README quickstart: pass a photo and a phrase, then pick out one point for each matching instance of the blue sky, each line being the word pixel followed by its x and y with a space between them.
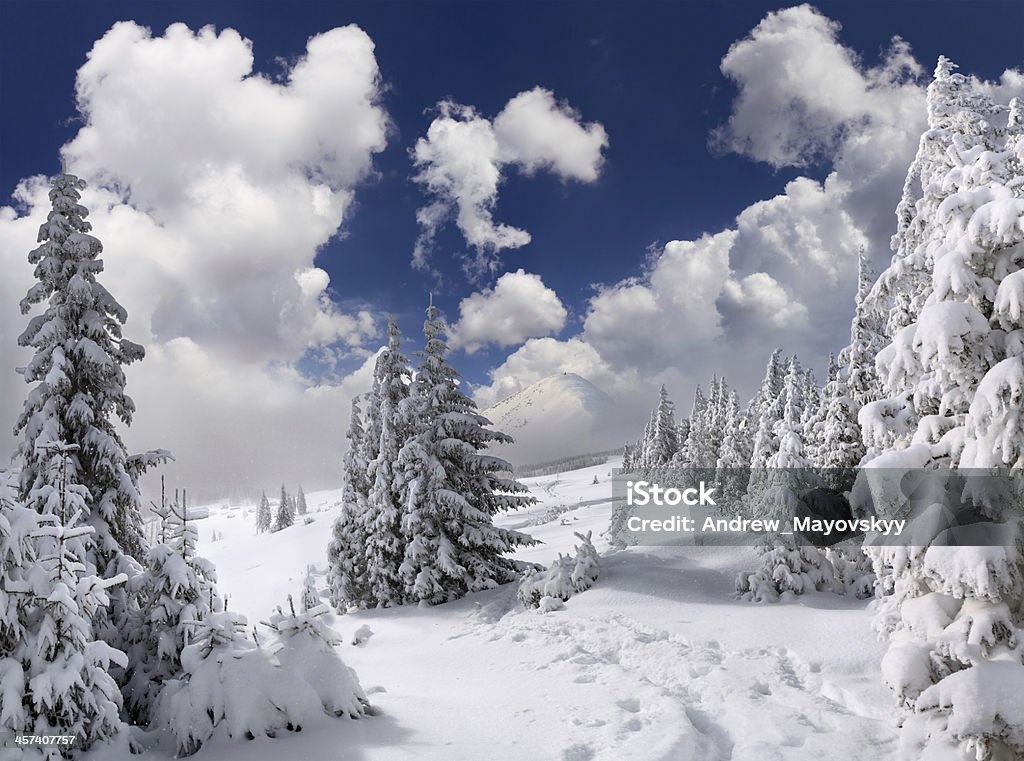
pixel 650 74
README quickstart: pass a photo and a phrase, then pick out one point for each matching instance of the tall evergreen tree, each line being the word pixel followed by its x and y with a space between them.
pixel 866 339
pixel 285 511
pixel 717 403
pixel 695 451
pixel 789 430
pixel 18 565
pixel 953 376
pixel 627 456
pixel 734 456
pixel 385 546
pixel 662 443
pixel 300 502
pixel 346 552
pixel 454 490
pixel 263 516
pixel 78 395
pixel 766 410
pixel 958 121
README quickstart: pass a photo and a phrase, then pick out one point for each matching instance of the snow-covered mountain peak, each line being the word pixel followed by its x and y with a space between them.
pixel 558 416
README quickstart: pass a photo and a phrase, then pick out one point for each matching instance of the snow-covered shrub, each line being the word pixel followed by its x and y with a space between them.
pixel 307 651
pixel 854 573
pixel 786 567
pixel 231 684
pixel 564 578
pixel 310 594
pixel 587 566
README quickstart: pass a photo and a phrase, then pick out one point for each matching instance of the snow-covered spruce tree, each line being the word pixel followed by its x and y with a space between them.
pixel 662 444
pixel 867 336
pixel 958 122
pixel 954 381
pixel 453 489
pixel 66 685
pixel 627 456
pixel 814 427
pixel 786 565
pixel 79 382
pixel 778 442
pixel 285 511
pixel 385 542
pixel 731 475
pixel 837 444
pixel 176 592
pixel 346 552
pixel 695 451
pixel 774 494
pixel 643 444
pixel 263 516
pixel 716 412
pixel 765 411
pixel 565 577
pixel 18 608
pixel 301 507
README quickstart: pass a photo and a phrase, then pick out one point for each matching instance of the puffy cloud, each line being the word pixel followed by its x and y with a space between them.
pixel 800 91
pixel 212 189
pixel 536 132
pixel 519 306
pixel 653 321
pixel 464 158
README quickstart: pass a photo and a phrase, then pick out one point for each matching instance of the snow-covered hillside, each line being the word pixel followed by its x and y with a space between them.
pixel 556 417
pixel 657 661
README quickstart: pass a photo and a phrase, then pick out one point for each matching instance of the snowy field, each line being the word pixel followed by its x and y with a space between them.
pixel 656 661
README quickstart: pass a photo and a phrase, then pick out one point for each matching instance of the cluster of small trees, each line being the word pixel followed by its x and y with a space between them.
pixel 419 492
pixel 97 624
pixel 288 507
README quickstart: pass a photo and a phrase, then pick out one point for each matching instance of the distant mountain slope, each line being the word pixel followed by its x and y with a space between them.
pixel 558 416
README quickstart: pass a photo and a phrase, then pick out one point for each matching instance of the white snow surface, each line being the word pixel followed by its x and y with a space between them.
pixel 658 660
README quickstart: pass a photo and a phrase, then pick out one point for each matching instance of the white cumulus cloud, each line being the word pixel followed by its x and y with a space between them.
pixel 519 306
pixel 464 157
